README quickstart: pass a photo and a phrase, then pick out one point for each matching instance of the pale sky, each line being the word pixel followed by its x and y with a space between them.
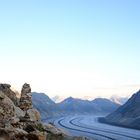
pixel 73 48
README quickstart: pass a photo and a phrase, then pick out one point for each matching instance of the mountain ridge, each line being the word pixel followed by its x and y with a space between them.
pixel 71 106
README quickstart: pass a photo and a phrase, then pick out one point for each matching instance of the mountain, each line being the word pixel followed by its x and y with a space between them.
pixel 57 99
pixel 99 105
pixel 127 115
pixel 71 106
pixel 42 97
pixel 43 104
pixel 105 104
pixel 78 106
pixel 119 100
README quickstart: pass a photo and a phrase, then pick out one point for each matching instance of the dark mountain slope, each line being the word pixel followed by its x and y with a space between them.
pixel 127 115
pixel 43 104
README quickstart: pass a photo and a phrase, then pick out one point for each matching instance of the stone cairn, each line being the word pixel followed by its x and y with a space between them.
pixel 26 98
pixel 26 105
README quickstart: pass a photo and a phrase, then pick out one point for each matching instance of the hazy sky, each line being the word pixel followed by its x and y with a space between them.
pixel 71 47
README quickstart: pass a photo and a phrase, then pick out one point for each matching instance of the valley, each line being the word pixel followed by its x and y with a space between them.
pixel 89 126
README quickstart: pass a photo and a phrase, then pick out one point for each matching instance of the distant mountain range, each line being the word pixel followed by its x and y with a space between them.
pixel 127 115
pixel 116 99
pixel 71 106
pixel 57 99
pixel 119 100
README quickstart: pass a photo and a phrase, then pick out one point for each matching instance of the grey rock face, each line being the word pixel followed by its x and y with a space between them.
pixel 6 110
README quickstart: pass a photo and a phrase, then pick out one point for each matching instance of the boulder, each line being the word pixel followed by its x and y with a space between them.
pixel 33 114
pixel 52 129
pixel 5 88
pixel 4 134
pixel 18 112
pixel 80 138
pixel 37 136
pixel 6 110
pixel 13 134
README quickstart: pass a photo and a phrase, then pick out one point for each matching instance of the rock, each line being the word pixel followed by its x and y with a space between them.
pixel 1 96
pixel 4 135
pixel 42 136
pixel 26 104
pixel 20 134
pixel 30 127
pixel 9 113
pixel 51 136
pixel 26 89
pixel 6 110
pixel 54 133
pixel 26 98
pixel 5 88
pixel 80 138
pixel 33 114
pixel 20 131
pixel 14 120
pixel 13 134
pixel 37 136
pixel 19 113
pixel 52 129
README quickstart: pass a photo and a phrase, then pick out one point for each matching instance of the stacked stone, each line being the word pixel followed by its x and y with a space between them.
pixel 31 114
pixel 26 98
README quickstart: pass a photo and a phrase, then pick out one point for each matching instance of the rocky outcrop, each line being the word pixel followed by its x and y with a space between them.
pixel 20 121
pixel 5 88
pixel 54 133
pixel 6 110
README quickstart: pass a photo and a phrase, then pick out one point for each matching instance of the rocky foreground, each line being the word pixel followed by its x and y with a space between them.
pixel 20 121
